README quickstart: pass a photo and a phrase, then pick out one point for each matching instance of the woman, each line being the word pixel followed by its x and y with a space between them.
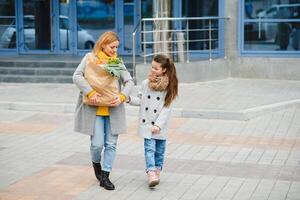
pixel 102 123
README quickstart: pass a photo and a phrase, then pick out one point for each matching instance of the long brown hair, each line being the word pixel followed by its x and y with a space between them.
pixel 105 39
pixel 172 88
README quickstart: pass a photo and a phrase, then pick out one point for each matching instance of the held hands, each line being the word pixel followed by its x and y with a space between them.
pixel 117 101
pixel 155 129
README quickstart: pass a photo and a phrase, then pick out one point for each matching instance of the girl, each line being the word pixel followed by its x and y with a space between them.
pixel 155 101
pixel 103 124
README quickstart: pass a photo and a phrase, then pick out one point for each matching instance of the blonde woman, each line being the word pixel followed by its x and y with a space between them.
pixel 102 123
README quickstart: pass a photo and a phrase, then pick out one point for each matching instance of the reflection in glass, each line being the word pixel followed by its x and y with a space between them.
pixel 147 12
pixel 204 8
pixel 94 17
pixel 147 9
pixel 295 36
pixel 271 9
pixel 37 29
pixel 7 24
pixel 128 23
pixel 272 35
pixel 64 28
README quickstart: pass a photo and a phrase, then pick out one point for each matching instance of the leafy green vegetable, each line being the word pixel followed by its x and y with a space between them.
pixel 115 66
pixel 114 61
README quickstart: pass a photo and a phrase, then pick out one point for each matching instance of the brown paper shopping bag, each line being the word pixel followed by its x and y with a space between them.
pixel 102 82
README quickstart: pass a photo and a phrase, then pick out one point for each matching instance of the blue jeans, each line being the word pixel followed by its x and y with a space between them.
pixel 154 153
pixel 103 138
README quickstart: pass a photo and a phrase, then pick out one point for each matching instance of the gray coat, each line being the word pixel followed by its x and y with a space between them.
pixel 85 115
pixel 152 112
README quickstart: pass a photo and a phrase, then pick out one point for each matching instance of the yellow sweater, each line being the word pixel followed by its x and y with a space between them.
pixel 103 110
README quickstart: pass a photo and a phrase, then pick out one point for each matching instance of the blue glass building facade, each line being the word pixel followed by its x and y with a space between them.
pixel 268 27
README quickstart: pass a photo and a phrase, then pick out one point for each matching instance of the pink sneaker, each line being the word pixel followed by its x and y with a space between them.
pixel 152 179
pixel 157 171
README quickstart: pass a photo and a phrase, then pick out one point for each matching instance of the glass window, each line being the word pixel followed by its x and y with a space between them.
pixel 271 26
pixel 37 29
pixel 147 12
pixel 199 33
pixel 7 24
pixel 64 25
pixel 94 17
pixel 147 8
pixel 184 38
pixel 128 23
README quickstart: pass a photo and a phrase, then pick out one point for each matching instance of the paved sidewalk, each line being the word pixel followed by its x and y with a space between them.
pixel 237 99
pixel 208 155
pixel 41 158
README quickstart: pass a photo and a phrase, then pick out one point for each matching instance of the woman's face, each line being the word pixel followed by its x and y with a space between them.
pixel 156 69
pixel 111 49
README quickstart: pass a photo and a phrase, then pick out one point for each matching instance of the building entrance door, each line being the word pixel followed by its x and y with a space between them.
pixel 36 26
pixel 73 26
pixel 97 16
pixel 45 27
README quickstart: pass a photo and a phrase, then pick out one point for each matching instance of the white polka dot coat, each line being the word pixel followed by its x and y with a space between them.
pixel 152 112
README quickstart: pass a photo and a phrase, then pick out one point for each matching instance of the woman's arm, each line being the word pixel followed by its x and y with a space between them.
pixel 78 77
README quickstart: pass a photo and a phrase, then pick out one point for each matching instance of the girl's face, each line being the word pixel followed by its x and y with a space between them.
pixel 156 69
pixel 111 48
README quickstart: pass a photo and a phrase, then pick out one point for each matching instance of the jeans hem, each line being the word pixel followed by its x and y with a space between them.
pixel 150 169
pixel 98 161
pixel 106 170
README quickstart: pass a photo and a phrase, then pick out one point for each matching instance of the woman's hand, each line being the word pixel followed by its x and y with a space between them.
pixel 95 99
pixel 103 62
pixel 155 129
pixel 117 101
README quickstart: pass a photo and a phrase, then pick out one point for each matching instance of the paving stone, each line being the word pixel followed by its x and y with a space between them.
pixel 202 163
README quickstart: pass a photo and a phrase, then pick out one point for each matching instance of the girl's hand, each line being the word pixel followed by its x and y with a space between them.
pixel 155 129
pixel 95 99
pixel 117 101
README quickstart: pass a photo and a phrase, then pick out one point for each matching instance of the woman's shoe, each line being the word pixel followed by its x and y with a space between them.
pixel 97 170
pixel 105 182
pixel 152 179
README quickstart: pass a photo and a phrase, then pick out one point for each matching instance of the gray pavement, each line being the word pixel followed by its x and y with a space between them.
pixel 237 99
pixel 208 157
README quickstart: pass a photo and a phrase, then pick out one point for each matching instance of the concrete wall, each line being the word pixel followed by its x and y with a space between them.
pixel 235 65
pixel 192 72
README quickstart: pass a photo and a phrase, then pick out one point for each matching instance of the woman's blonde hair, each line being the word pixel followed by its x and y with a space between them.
pixel 105 39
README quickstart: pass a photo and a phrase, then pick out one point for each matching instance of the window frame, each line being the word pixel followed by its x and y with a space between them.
pixel 218 52
pixel 259 53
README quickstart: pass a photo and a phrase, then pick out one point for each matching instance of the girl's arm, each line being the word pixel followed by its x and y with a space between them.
pixel 127 82
pixel 163 117
pixel 79 80
pixel 136 100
